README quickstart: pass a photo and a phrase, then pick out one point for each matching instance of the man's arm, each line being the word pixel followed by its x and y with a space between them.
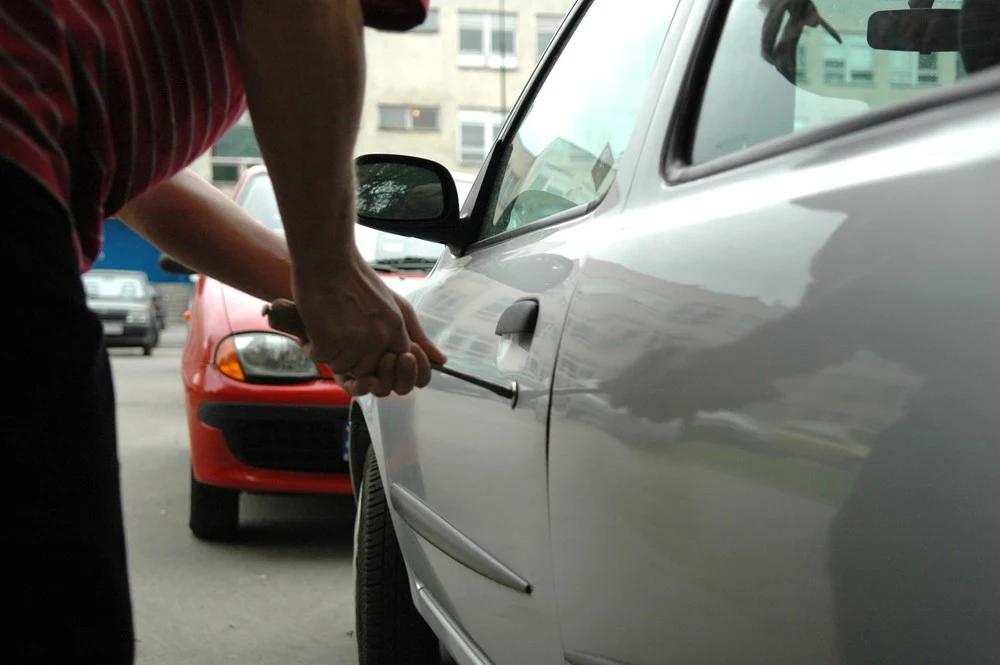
pixel 303 65
pixel 196 224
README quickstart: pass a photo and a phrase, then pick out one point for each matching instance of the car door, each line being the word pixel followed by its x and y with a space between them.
pixel 772 436
pixel 466 468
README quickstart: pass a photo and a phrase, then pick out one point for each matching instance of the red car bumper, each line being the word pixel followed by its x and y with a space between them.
pixel 267 438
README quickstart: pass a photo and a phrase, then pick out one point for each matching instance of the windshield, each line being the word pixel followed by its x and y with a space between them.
pixel 114 287
pixel 375 246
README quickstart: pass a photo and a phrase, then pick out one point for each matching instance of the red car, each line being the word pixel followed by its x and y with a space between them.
pixel 262 417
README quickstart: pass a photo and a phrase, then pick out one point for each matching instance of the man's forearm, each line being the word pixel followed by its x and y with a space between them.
pixel 303 64
pixel 196 224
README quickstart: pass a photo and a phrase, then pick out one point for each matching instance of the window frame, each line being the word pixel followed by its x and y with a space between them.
pixel 241 163
pixel 546 20
pixel 675 166
pixel 492 119
pixel 487 58
pixel 435 28
pixel 849 44
pixel 408 110
pixel 914 70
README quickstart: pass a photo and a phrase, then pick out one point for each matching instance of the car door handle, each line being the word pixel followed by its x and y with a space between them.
pixel 520 317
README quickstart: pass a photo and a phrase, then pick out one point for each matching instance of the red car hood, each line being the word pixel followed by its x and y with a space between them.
pixel 245 312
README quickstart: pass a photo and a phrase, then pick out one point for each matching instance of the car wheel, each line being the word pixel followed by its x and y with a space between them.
pixel 389 628
pixel 154 340
pixel 215 511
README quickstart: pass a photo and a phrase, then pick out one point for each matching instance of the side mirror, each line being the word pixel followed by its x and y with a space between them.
pixel 173 266
pixel 408 196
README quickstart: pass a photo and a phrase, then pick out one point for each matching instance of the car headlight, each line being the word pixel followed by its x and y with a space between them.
pixel 137 317
pixel 261 357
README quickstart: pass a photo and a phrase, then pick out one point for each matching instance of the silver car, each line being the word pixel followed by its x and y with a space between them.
pixel 722 314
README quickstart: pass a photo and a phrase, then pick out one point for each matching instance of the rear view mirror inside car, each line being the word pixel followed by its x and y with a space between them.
pixel 915 30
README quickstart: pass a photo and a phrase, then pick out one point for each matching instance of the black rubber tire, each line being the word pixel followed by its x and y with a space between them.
pixel 154 341
pixel 389 629
pixel 215 511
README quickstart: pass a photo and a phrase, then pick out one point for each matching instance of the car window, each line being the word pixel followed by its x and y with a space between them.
pixel 567 149
pixel 114 287
pixel 785 66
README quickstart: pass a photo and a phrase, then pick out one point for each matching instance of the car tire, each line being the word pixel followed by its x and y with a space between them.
pixel 215 511
pixel 154 341
pixel 389 628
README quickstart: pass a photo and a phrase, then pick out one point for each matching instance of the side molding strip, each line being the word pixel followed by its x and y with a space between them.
pixel 442 535
pixel 455 641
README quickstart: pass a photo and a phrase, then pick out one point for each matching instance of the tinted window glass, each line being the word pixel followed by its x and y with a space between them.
pixel 780 69
pixel 568 147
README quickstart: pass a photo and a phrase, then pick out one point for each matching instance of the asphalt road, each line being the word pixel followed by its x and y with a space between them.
pixel 281 594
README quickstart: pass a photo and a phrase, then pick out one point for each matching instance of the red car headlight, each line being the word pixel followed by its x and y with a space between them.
pixel 262 357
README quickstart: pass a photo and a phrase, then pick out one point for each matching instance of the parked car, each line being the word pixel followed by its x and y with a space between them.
pixel 783 212
pixel 262 417
pixel 123 300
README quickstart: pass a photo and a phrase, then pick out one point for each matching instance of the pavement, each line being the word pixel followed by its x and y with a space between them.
pixel 175 335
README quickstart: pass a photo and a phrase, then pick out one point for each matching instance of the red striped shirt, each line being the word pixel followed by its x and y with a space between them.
pixel 100 100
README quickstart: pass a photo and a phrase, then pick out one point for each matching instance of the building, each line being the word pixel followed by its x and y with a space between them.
pixel 440 91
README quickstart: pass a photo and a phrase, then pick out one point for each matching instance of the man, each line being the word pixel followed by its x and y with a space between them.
pixel 103 103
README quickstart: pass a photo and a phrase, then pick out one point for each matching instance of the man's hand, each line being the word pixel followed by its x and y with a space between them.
pixel 368 335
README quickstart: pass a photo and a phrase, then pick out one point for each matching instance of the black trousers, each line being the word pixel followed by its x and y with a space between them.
pixel 62 545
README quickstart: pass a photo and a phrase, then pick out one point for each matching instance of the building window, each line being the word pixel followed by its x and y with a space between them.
pixel 698 313
pixel 850 62
pixel 235 152
pixel 487 40
pixel 430 24
pixel 545 30
pixel 801 68
pixel 913 68
pixel 477 130
pixel 407 118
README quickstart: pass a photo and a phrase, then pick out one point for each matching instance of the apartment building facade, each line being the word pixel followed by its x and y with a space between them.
pixel 440 91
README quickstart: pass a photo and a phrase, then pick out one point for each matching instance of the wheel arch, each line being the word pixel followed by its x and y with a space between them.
pixel 359 443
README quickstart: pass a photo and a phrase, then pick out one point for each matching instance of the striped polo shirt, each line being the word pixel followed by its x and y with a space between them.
pixel 100 100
